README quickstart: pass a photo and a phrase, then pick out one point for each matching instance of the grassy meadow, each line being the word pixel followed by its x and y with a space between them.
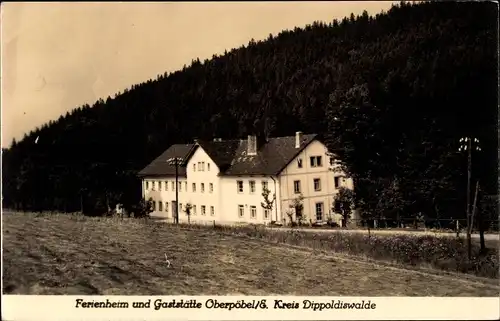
pixel 73 254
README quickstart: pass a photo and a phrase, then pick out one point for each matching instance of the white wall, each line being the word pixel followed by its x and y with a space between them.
pixel 225 197
pixel 306 176
pixel 165 195
pixel 196 198
pixel 231 198
pixel 206 177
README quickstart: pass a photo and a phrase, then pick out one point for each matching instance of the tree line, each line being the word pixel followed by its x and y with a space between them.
pixel 392 94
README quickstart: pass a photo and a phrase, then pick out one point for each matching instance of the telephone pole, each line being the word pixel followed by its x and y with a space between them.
pixel 466 144
pixel 176 161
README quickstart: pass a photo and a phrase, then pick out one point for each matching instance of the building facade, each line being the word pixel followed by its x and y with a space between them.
pixel 224 181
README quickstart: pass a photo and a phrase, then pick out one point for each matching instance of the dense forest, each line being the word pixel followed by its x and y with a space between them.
pixel 392 94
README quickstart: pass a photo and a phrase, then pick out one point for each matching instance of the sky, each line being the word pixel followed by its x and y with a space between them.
pixel 58 56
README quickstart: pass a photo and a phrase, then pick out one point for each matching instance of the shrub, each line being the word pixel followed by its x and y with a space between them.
pixel 333 224
pixel 143 208
pixel 344 204
pixel 443 253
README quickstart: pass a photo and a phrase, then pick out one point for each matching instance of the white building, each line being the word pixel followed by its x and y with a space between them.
pixel 223 181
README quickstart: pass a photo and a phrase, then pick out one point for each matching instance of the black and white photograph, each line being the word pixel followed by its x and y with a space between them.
pixel 336 149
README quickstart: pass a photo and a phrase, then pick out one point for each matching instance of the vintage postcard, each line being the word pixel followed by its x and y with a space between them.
pixel 250 160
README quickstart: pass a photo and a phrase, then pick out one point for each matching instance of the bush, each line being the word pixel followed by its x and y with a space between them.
pixel 333 224
pixel 443 253
pixel 143 208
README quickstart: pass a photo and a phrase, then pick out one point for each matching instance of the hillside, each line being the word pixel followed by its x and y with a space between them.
pixel 404 85
pixel 74 255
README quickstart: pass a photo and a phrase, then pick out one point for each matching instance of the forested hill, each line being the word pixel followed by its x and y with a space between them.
pixel 404 86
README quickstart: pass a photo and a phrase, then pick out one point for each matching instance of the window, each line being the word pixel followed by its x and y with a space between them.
pixel 159 187
pixel 241 210
pixel 296 187
pixel 153 185
pixel 147 185
pixel 194 167
pixel 239 184
pixel 266 213
pixel 202 166
pixel 173 186
pixel 194 187
pixel 337 181
pixel 252 186
pixel 316 161
pixel 212 211
pixel 180 186
pixel 332 161
pixel 264 185
pixel 208 167
pixel 203 187
pixel 166 207
pixel 317 184
pixel 160 206
pixel 193 211
pixel 319 211
pixel 299 162
pixel 253 211
pixel 203 212
pixel 154 206
pixel 211 188
pixel 166 185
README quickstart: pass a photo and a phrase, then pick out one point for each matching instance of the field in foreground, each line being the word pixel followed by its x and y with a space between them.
pixel 77 255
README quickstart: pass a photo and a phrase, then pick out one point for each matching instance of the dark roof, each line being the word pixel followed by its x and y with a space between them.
pixel 231 156
pixel 271 158
pixel 221 152
pixel 160 167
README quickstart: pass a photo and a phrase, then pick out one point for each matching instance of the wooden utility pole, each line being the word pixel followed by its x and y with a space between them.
pixel 474 206
pixel 468 147
pixel 479 219
pixel 469 172
pixel 176 161
pixel 176 190
pixel 480 223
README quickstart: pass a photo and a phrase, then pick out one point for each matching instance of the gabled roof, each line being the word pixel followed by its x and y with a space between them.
pixel 271 158
pixel 221 152
pixel 160 167
pixel 231 157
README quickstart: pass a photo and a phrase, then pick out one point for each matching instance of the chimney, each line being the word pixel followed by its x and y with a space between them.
pixel 298 138
pixel 252 145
